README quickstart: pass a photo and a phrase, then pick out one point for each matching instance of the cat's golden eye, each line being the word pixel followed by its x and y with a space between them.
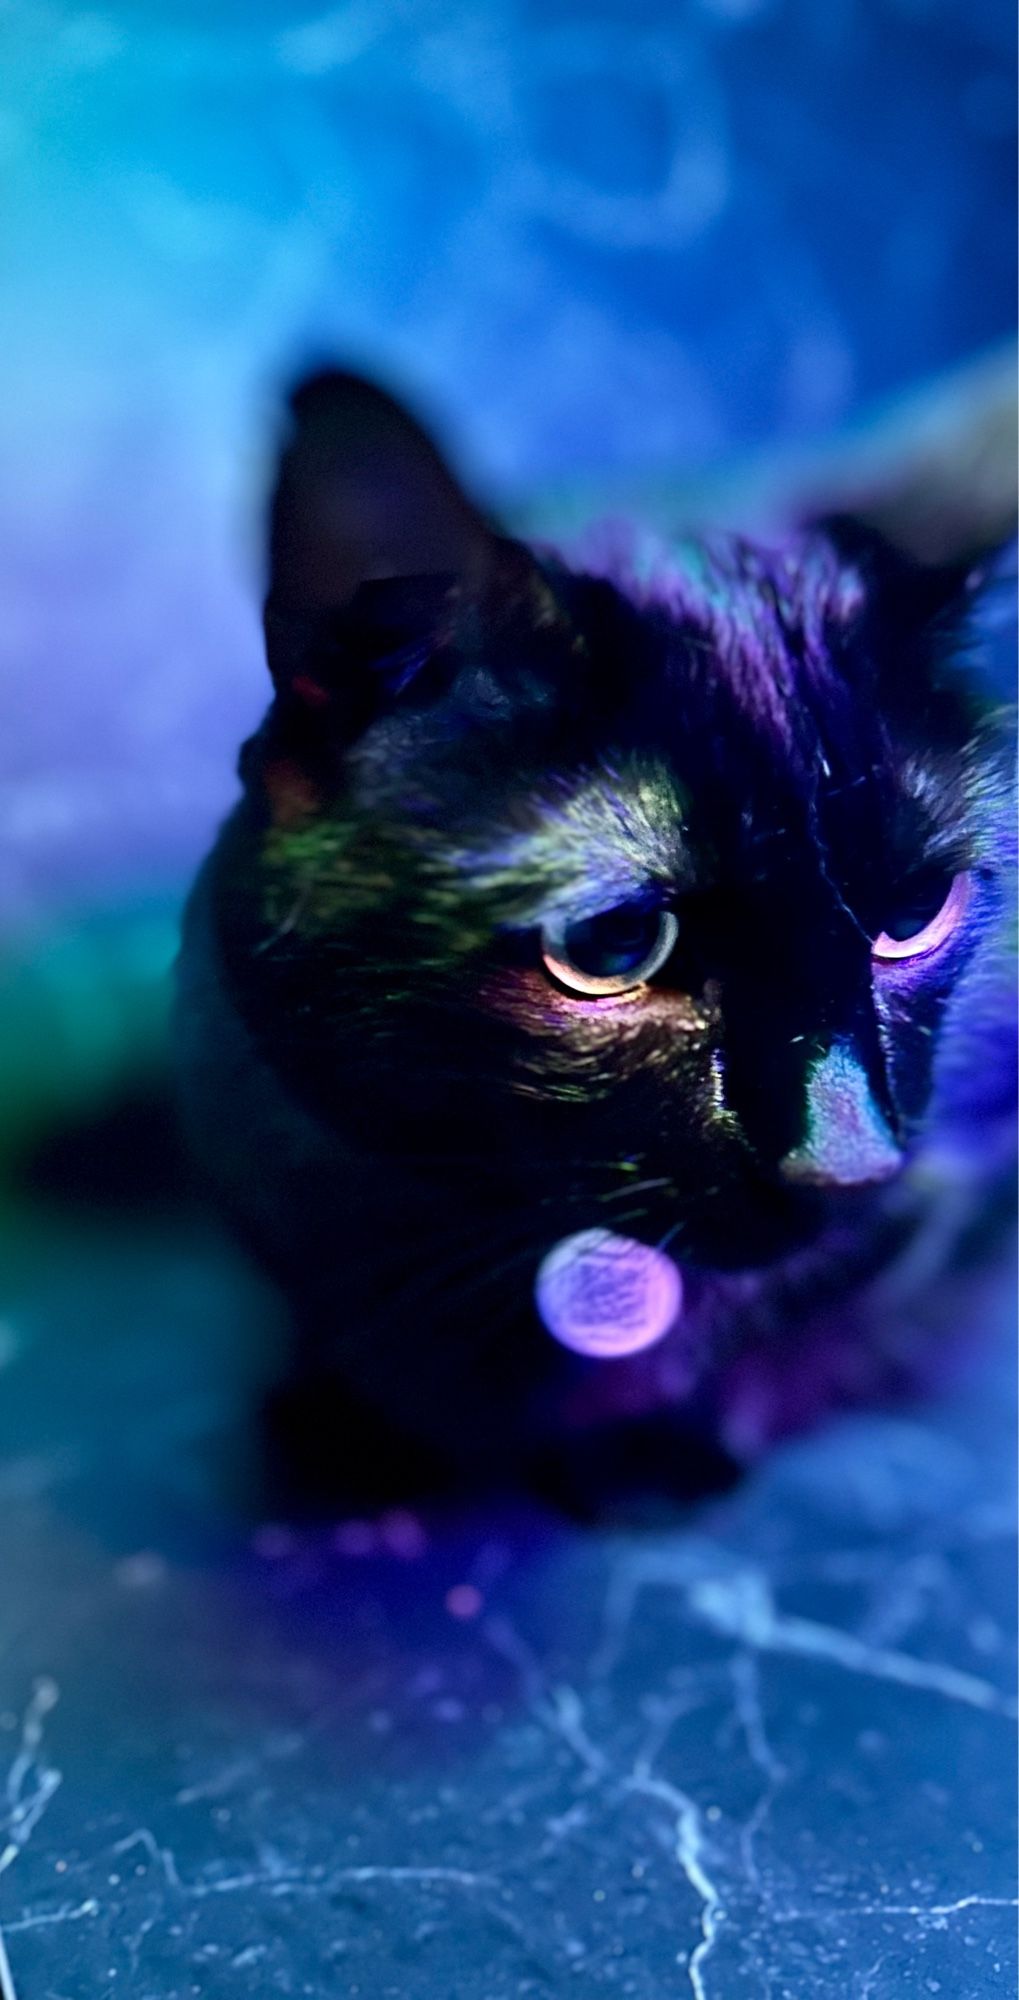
pixel 926 917
pixel 609 953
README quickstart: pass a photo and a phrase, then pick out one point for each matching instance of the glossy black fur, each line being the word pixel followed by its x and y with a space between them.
pixel 787 745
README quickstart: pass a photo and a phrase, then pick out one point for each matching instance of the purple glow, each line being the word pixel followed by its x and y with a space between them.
pixel 949 917
pixel 847 1143
pixel 606 1295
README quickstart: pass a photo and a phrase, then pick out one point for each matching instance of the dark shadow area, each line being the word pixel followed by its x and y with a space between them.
pixel 125 1158
pixel 315 1446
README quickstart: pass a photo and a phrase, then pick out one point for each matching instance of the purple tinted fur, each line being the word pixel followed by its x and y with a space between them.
pixel 748 666
pixel 768 615
pixel 771 620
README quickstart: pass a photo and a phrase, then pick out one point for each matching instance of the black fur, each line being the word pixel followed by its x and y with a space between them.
pixel 403 1112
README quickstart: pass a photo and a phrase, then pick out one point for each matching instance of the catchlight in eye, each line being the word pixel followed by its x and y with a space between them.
pixel 925 921
pixel 612 952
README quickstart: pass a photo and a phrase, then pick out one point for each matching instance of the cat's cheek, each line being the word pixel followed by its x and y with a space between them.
pixel 593 1054
pixel 910 1001
pixel 546 1020
pixel 530 999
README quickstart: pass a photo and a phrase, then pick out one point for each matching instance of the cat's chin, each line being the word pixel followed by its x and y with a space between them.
pixel 789 1237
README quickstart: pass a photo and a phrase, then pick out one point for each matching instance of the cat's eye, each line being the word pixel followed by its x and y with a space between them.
pixel 927 915
pixel 609 953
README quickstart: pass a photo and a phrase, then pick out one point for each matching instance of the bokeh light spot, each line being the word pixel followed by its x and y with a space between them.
pixel 607 1295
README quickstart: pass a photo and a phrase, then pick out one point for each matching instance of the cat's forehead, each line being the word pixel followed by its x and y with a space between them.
pixel 582 841
pixel 699 715
pixel 758 630
pixel 754 594
pixel 735 669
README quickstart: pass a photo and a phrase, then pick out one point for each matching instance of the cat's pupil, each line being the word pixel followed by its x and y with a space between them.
pixel 917 904
pixel 614 942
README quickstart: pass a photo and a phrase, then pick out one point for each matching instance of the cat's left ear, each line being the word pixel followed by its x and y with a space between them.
pixel 913 599
pixel 935 481
pixel 369 534
pixel 932 629
pixel 925 506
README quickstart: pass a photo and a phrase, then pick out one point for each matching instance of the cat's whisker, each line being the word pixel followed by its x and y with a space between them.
pixel 670 1236
pixel 631 1217
pixel 640 1187
pixel 456 1291
pixel 442 1272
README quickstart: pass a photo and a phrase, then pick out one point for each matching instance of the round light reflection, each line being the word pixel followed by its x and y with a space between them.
pixel 605 1295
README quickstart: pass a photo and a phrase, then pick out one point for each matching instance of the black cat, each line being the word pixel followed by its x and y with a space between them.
pixel 664 897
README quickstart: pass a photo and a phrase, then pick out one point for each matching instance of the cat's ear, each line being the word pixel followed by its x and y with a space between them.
pixel 937 482
pixel 939 636
pixel 368 533
pixel 908 597
pixel 925 503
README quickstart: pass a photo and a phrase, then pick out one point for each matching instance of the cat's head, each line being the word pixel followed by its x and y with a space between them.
pixel 631 893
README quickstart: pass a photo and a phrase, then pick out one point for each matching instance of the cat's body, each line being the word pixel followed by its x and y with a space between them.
pixel 663 896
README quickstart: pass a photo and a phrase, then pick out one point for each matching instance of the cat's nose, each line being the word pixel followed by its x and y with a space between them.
pixel 847 1141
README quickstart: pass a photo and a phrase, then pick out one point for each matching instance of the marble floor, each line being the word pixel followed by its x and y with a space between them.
pixel 763 1747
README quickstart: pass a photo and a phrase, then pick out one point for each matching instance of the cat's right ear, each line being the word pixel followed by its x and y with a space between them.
pixel 369 532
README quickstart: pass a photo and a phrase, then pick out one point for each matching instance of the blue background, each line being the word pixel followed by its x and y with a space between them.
pixel 584 239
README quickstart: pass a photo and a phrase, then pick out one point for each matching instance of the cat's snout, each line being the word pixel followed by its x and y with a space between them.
pixel 848 1142
pixel 799 1169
